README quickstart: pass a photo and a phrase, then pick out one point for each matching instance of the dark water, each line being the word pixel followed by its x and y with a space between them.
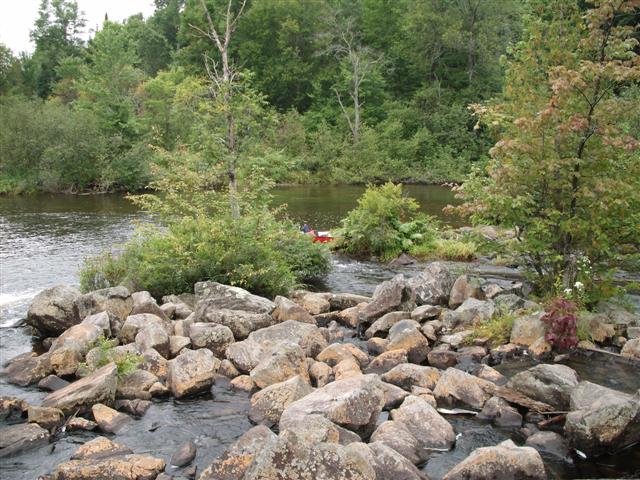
pixel 43 241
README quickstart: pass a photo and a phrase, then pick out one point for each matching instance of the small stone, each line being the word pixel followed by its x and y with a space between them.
pixel 108 419
pixel 228 369
pixel 184 455
pixel 52 383
pixel 500 412
pixel 79 423
pixel 46 417
pixel 243 383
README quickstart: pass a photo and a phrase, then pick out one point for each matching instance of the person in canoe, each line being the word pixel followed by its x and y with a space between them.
pixel 307 229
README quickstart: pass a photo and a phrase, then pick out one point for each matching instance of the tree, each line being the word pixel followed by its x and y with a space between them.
pixel 357 61
pixel 55 34
pixel 566 170
pixel 224 82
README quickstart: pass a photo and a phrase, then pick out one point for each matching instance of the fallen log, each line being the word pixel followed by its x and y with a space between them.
pixel 512 396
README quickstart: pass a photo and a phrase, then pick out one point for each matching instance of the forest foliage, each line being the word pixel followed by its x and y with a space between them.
pixel 332 91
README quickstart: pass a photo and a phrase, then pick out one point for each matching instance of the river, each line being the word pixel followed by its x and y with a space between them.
pixel 44 239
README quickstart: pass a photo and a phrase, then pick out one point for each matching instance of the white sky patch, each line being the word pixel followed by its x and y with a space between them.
pixel 18 16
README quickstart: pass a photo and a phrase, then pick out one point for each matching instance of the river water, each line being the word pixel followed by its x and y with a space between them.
pixel 43 241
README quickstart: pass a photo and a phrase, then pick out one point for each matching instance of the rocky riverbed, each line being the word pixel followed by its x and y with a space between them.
pixel 229 385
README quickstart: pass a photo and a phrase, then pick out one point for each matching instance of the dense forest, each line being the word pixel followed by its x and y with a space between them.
pixel 339 91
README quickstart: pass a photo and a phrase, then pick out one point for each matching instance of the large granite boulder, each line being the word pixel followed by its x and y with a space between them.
pixel 121 467
pixel 136 384
pixel 116 301
pixel 231 298
pixel 289 362
pixel 337 352
pixel 246 355
pixel 382 325
pixel 289 310
pixel 192 372
pixel 386 462
pixel 528 328
pixel 18 438
pixel 52 311
pixel 389 296
pixel 631 348
pixel 406 335
pixel 134 324
pixel 28 368
pixel 212 336
pixel 240 322
pixel 602 420
pixel 353 403
pixel 291 458
pixel 456 386
pixel 463 288
pixel 268 404
pixel 505 461
pixel 433 286
pixel 408 375
pixel 551 384
pixel 414 430
pixel 234 462
pixel 99 387
pixel 143 302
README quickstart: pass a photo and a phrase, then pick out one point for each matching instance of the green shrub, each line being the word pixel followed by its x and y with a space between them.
pixel 126 363
pixel 445 249
pixel 385 223
pixel 497 329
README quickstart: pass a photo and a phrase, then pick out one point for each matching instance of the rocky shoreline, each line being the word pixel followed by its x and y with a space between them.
pixel 341 385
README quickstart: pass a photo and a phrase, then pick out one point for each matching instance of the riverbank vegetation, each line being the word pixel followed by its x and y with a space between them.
pixel 340 92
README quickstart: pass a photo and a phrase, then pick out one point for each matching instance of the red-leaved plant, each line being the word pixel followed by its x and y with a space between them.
pixel 560 318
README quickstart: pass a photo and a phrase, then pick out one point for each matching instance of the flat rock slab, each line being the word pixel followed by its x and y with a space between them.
pixel 17 438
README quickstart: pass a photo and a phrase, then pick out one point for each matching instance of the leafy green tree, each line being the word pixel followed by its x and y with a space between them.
pixel 56 35
pixel 565 172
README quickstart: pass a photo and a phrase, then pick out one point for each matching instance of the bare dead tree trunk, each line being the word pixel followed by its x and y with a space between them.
pixel 223 83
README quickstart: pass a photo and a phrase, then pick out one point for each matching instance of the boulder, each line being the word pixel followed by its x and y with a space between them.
pixel 235 461
pixel 133 324
pixel 122 467
pixel 178 343
pixel 52 311
pixel 28 368
pixel 317 428
pixel 386 361
pixel 382 325
pixel 312 302
pixel 99 447
pixel 342 301
pixel 79 423
pixel 377 345
pixel 136 385
pixel 441 357
pixel 346 368
pixel 456 339
pixel 231 298
pixel 100 320
pixel 415 429
pixel 388 463
pixel 504 461
pixel 291 458
pixel 216 338
pixel 619 317
pixel 456 386
pixel 135 407
pixel 527 329
pixel 405 335
pixel 243 383
pixel 408 375
pixel 471 312
pixel 550 443
pixel 45 417
pixel 392 295
pixel 631 348
pixel 245 355
pixel 288 310
pixel 156 337
pixel 551 384
pixel 337 352
pixel 433 286
pixel 227 369
pixel 99 387
pixel 108 419
pixel 155 363
pixel 393 396
pixel 351 317
pixel 21 437
pixel 143 302
pixel 11 407
pixel 353 403
pixel 501 413
pixel 192 372
pixel 490 374
pixel 65 360
pixel 116 301
pixel 240 322
pixel 267 405
pixel 603 420
pixel 320 374
pixel 463 288
pixel 289 362
pixel 184 455
pixel 52 383
pixel 426 312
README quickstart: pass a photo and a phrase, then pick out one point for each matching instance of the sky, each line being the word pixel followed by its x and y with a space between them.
pixel 18 16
